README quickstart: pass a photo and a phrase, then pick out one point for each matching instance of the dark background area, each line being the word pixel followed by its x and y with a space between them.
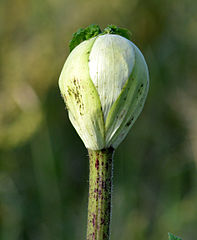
pixel 43 162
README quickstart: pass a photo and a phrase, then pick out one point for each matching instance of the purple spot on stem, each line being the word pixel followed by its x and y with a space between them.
pixel 93 235
pixel 102 221
pixel 94 220
pixel 106 166
pixel 97 164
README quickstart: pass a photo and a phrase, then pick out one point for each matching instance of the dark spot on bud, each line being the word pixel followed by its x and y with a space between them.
pixel 129 122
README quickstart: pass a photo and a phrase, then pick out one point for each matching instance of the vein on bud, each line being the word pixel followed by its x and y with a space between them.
pixel 130 102
pixel 110 64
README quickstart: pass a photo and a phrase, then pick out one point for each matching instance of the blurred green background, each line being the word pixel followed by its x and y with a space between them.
pixel 43 163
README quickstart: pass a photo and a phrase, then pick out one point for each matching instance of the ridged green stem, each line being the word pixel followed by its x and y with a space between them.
pixel 100 190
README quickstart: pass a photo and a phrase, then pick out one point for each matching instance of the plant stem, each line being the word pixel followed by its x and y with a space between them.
pixel 100 190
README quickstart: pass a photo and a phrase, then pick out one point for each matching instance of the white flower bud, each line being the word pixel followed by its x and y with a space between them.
pixel 104 83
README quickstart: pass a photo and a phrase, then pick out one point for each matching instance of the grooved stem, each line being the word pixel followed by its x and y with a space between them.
pixel 100 189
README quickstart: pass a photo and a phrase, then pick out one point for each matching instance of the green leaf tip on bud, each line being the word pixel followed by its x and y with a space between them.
pixel 173 237
pixel 104 83
pixel 84 34
pixel 94 30
pixel 112 29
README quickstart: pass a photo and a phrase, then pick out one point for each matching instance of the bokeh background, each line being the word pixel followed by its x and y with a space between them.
pixel 43 163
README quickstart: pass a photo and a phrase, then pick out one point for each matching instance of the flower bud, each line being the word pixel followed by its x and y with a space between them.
pixel 104 83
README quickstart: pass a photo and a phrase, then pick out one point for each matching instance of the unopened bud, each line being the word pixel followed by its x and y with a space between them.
pixel 104 83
